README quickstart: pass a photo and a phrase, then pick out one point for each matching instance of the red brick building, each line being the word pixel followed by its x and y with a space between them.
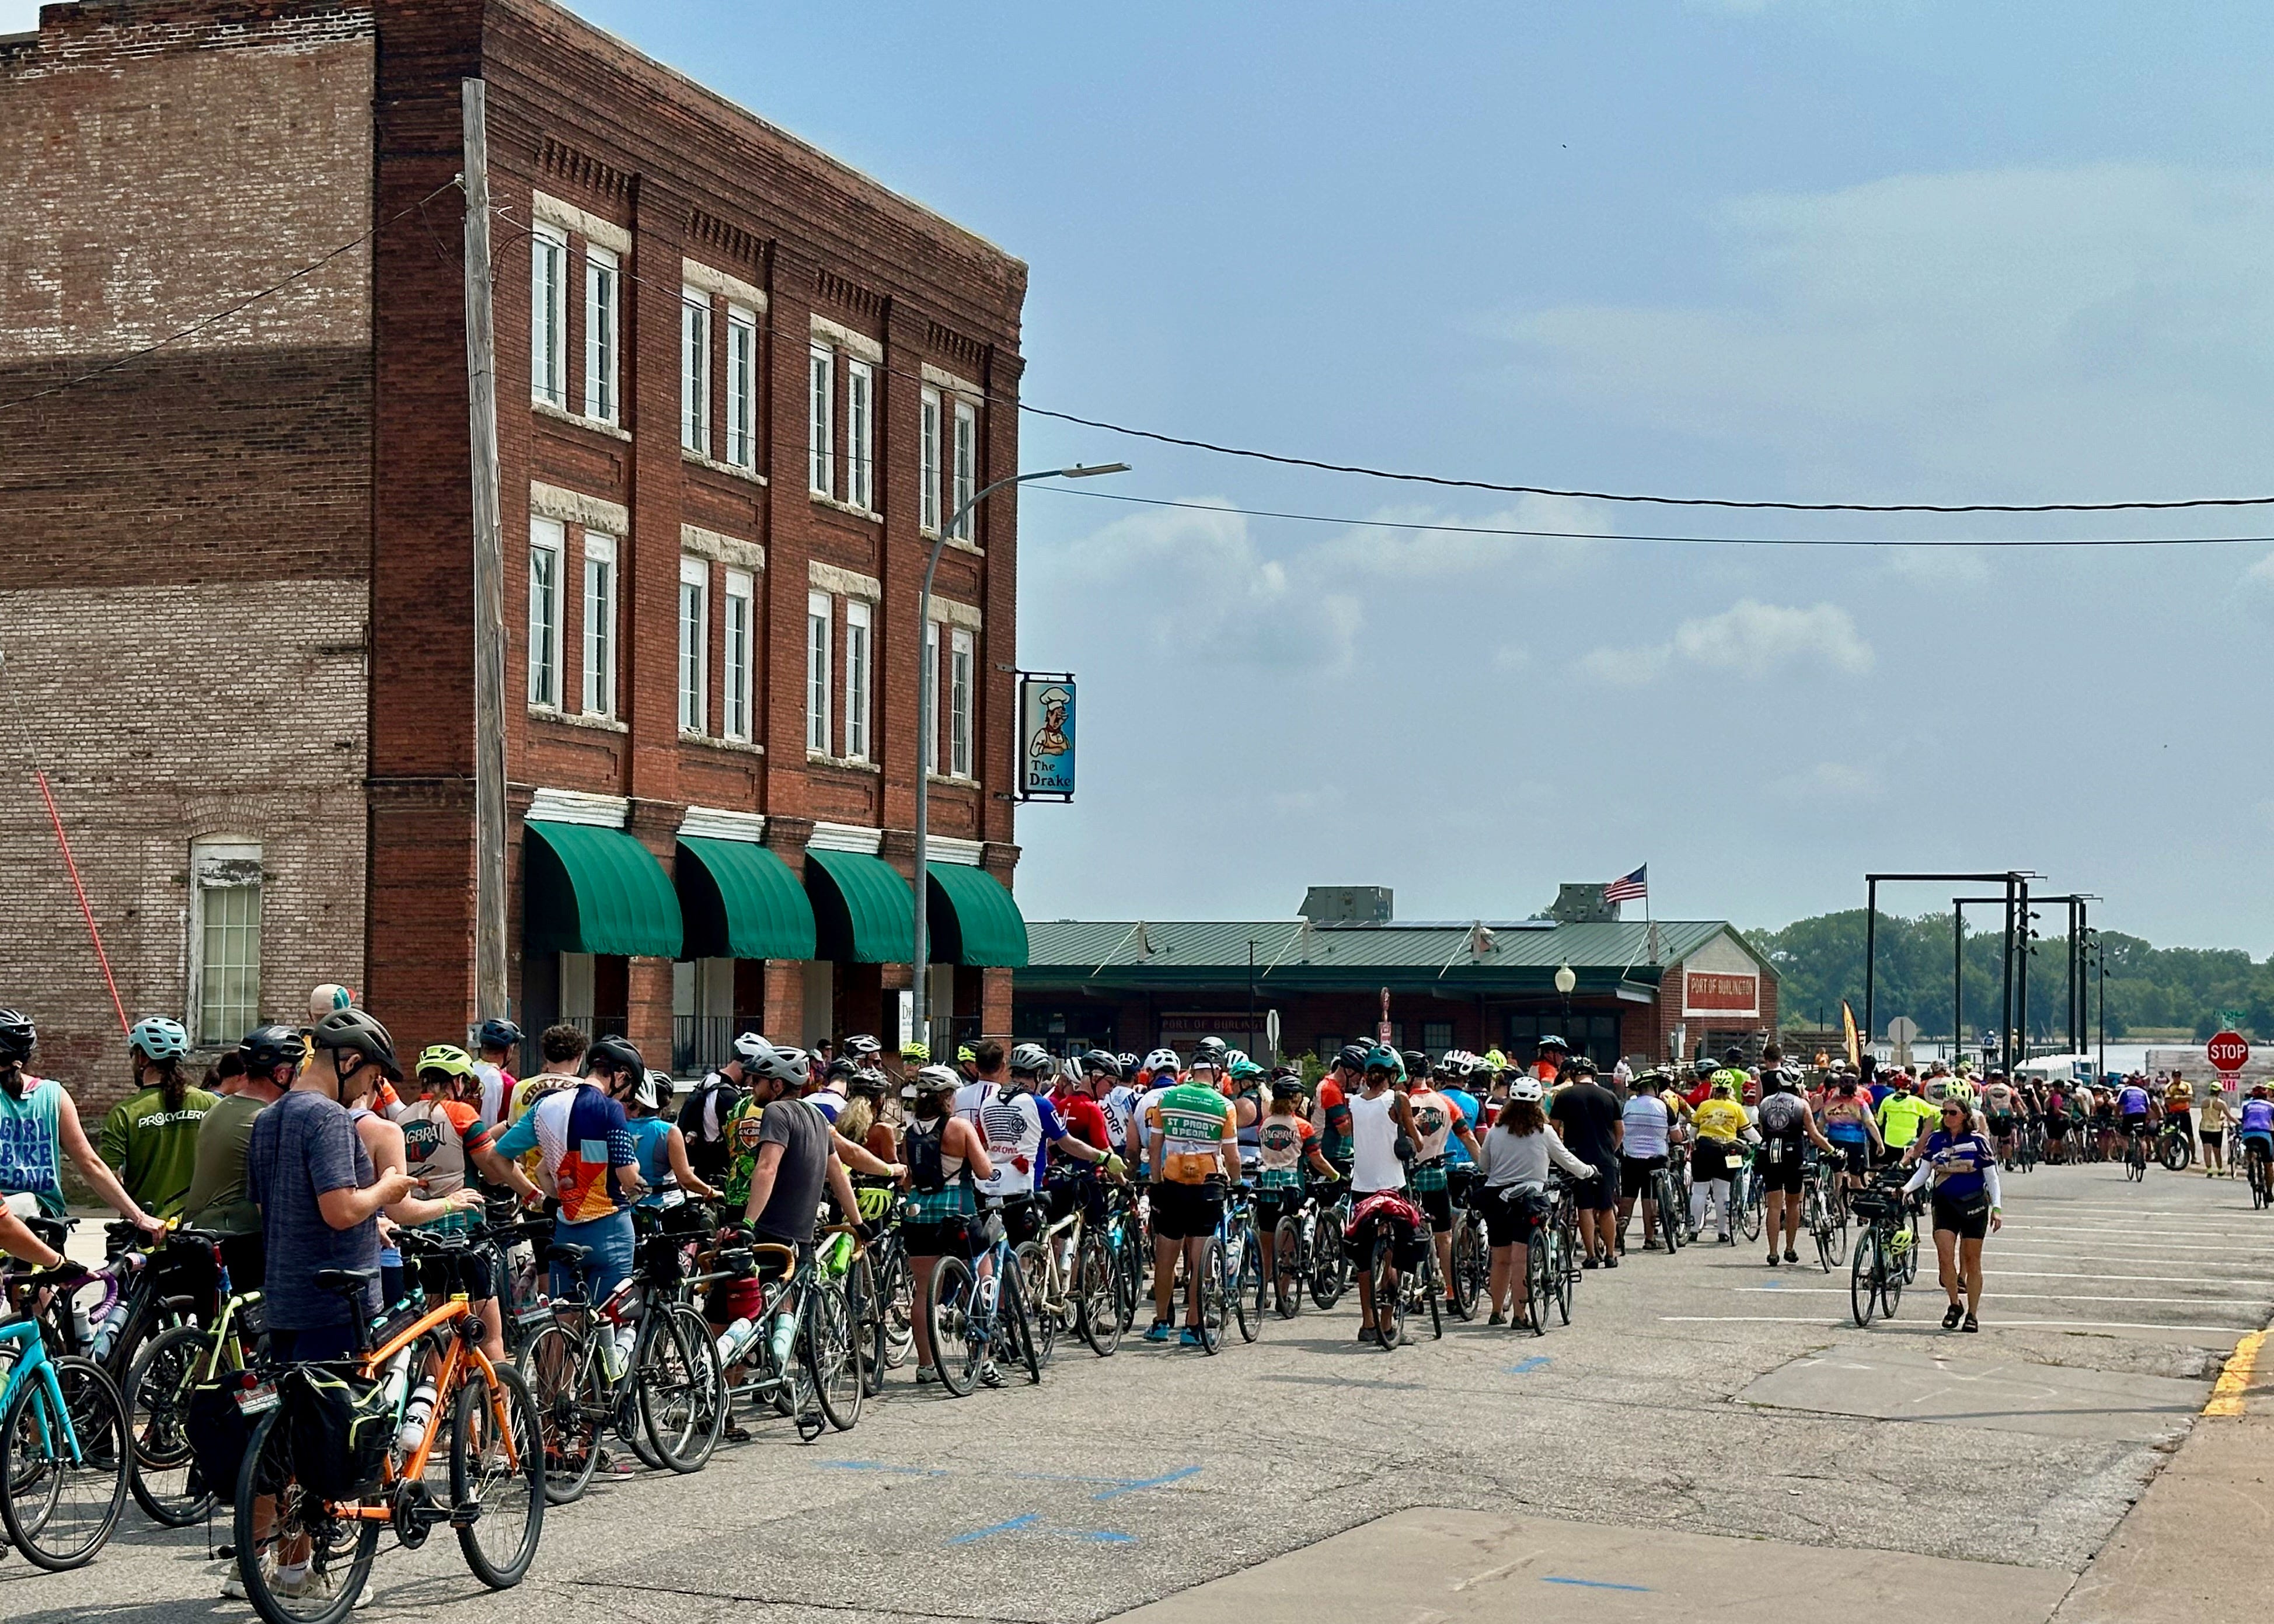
pixel 741 386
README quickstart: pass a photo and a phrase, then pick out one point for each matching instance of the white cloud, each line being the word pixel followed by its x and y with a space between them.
pixel 1832 781
pixel 1749 639
pixel 2255 589
pixel 1936 566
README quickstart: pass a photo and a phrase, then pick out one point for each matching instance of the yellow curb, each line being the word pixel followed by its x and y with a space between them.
pixel 2234 1381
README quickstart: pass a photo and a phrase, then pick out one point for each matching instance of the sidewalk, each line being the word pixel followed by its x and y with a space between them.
pixel 2193 1551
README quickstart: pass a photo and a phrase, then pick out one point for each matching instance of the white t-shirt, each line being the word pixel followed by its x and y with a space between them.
pixel 1012 1132
pixel 493 1082
pixel 1373 1144
pixel 969 1098
pixel 1644 1115
pixel 1144 1107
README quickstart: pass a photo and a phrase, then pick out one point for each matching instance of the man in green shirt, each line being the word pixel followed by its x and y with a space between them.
pixel 216 1199
pixel 1903 1115
pixel 150 1139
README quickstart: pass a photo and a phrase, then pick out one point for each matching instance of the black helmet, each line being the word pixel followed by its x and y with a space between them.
pixel 1352 1055
pixel 1417 1064
pixel 616 1054
pixel 1733 1056
pixel 267 1048
pixel 838 1068
pixel 1286 1088
pixel 1550 1040
pixel 863 1046
pixel 16 1036
pixel 1097 1060
pixel 866 1080
pixel 1128 1063
pixel 1210 1049
pixel 354 1030
pixel 498 1035
pixel 1581 1066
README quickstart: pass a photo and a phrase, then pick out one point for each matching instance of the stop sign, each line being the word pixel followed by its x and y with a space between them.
pixel 2228 1051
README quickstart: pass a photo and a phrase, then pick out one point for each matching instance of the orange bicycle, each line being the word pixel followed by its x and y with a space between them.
pixel 341 1450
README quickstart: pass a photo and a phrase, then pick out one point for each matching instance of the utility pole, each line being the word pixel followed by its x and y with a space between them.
pixel 489 568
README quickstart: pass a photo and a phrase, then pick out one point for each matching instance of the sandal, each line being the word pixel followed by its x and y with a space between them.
pixel 1951 1316
pixel 1970 1324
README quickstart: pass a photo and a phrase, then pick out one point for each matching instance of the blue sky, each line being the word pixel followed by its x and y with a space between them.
pixel 1801 249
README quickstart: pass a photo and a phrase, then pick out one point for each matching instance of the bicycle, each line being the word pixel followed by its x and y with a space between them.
pixel 1331 1265
pixel 1548 1278
pixel 157 1392
pixel 880 1288
pixel 1745 1193
pixel 1471 1251
pixel 983 1316
pixel 1242 1260
pixel 1088 1304
pixel 1387 1284
pixel 1885 1253
pixel 1127 1238
pixel 1291 1255
pixel 63 1438
pixel 2172 1147
pixel 1820 1212
pixel 1673 1211
pixel 2135 1156
pixel 2261 1175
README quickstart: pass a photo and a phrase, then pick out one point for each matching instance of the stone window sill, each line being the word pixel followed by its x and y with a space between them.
pixel 749 475
pixel 819 500
pixel 562 414
pixel 572 718
pixel 948 780
pixel 815 758
pixel 719 743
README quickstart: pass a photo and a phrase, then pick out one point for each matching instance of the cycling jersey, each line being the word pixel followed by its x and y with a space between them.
pixel 1963 1167
pixel 1646 1136
pixel 1455 1153
pixel 652 1144
pixel 2180 1096
pixel 1015 1131
pixel 153 1150
pixel 1720 1119
pixel 1904 1117
pixel 2132 1102
pixel 2257 1117
pixel 1282 1142
pixel 583 1137
pixel 1844 1119
pixel 1189 1124
pixel 436 1136
pixel 1330 1115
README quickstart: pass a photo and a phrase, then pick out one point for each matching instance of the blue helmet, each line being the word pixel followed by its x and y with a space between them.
pixel 1381 1057
pixel 499 1034
pixel 157 1037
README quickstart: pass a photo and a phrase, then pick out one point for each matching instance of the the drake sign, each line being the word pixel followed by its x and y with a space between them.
pixel 1046 740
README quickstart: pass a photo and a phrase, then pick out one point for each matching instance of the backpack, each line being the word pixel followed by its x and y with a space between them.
pixel 708 1153
pixel 921 1152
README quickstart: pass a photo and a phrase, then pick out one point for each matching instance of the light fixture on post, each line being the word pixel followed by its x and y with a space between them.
pixel 919 994
pixel 1565 981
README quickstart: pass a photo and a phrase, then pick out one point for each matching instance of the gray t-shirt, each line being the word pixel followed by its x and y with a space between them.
pixel 303 1146
pixel 803 1135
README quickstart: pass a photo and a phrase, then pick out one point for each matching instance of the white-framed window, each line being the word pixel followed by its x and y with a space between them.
pixel 740 624
pixel 938 695
pixel 821 419
pixel 861 435
pixel 599 624
pixel 927 464
pixel 859 618
pixel 818 617
pixel 742 386
pixel 548 315
pixel 603 295
pixel 547 539
pixel 224 941
pixel 694 644
pixel 967 466
pixel 695 370
pixel 961 669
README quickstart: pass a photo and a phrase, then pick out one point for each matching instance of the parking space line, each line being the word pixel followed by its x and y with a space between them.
pixel 2103 1324
pixel 2060 1297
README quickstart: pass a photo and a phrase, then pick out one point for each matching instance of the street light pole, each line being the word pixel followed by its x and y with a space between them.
pixel 1565 981
pixel 925 727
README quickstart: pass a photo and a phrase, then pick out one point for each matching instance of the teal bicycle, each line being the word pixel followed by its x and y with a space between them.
pixel 63 1459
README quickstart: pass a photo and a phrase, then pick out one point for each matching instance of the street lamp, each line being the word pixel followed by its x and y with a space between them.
pixel 1565 981
pixel 925 678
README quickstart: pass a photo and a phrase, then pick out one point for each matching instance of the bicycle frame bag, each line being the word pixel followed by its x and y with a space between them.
pixel 216 1428
pixel 341 1425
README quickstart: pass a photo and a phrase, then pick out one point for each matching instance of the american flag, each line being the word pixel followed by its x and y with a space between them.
pixel 1632 888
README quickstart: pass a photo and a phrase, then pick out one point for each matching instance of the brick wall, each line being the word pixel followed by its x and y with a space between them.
pixel 182 599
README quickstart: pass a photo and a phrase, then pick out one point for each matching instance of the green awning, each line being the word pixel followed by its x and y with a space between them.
pixel 973 919
pixel 741 901
pixel 863 911
pixel 597 891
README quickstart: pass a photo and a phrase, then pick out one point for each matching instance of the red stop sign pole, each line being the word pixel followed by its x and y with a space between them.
pixel 2228 1051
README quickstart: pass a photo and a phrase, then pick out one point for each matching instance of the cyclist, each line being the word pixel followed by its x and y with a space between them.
pixel 1243 1086
pixel 704 1114
pixel 443 1137
pixel 1644 1145
pixel 2254 1127
pixel 1719 1123
pixel 660 1146
pixel 2136 1107
pixel 1330 1112
pixel 1065 1187
pixel 150 1138
pixel 2178 1108
pixel 1103 1078
pixel 2211 1126
pixel 1732 1072
pixel 1019 1127
pixel 1963 1166
pixel 1513 1158
pixel 1384 1135
pixel 1286 1144
pixel 1440 1126
pixel 943 1157
pixel 1549 1056
pixel 1456 1075
pixel 498 1043
pixel 216 1202
pixel 585 1144
pixel 1589 1117
pixel 40 1126
pixel 1159 1075
pixel 1903 1115
pixel 1850 1124
pixel 1195 1154
pixel 1785 1121
pixel 2000 1104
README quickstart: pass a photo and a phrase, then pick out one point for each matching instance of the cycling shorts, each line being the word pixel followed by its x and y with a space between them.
pixel 1186 1212
pixel 1786 1175
pixel 1438 1203
pixel 1852 1156
pixel 1954 1216
pixel 1635 1173
pixel 2001 1125
pixel 1277 1202
pixel 1507 1222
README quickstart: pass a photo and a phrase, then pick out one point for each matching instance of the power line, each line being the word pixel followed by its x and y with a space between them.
pixel 1715 541
pixel 1613 496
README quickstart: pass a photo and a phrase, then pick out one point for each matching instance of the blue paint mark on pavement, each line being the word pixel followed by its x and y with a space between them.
pixel 886 1467
pixel 1123 1485
pixel 1525 1367
pixel 1592 1584
pixel 1012 1527
pixel 1103 1537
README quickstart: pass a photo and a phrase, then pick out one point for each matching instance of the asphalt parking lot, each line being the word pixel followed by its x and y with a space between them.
pixel 1734 1413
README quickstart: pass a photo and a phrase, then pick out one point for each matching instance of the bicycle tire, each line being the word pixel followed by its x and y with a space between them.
pixel 1387 1305
pixel 1468 1283
pixel 1020 1328
pixel 267 1472
pixel 1669 1215
pixel 2177 1154
pixel 949 1309
pixel 686 1432
pixel 1891 1285
pixel 97 1417
pixel 1097 1295
pixel 1327 1257
pixel 1251 1289
pixel 1538 1283
pixel 1288 1271
pixel 472 1442
pixel 862 1297
pixel 1033 1271
pixel 1749 1206
pixel 1433 1289
pixel 1566 1270
pixel 158 1388
pixel 832 1354
pixel 563 1370
pixel 1863 1286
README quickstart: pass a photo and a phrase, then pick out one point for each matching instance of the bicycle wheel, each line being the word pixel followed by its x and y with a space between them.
pixel 1670 1218
pixel 1327 1256
pixel 1208 1280
pixel 1539 1281
pixel 1381 1285
pixel 1747 1204
pixel 1257 1291
pixel 497 1472
pixel 326 1557
pixel 157 1394
pixel 860 1296
pixel 1891 1283
pixel 1236 1262
pixel 832 1353
pixel 573 1399
pixel 683 1392
pixel 1862 1280
pixel 1034 1272
pixel 2177 1152
pixel 1567 1265
pixel 1471 1264
pixel 1097 1295
pixel 1129 1272
pixel 1433 1289
pixel 1016 1317
pixel 1287 1271
pixel 954 1354
pixel 64 1467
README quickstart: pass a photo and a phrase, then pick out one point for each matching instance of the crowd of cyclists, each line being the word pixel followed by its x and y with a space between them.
pixel 332 1263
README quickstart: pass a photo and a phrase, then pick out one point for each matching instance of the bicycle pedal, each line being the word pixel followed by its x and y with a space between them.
pixel 465 1516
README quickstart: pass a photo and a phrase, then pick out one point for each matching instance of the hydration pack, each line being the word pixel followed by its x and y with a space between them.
pixel 920 1150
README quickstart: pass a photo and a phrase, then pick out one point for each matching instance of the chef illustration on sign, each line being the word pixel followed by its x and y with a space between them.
pixel 1050 738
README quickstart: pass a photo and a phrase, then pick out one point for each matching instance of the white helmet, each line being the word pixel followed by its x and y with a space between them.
pixel 933 1079
pixel 1528 1087
pixel 1166 1060
pixel 749 1046
pixel 790 1065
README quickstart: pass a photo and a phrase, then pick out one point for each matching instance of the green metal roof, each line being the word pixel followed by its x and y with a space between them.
pixel 974 918
pixel 1521 957
pixel 863 911
pixel 741 901
pixel 597 891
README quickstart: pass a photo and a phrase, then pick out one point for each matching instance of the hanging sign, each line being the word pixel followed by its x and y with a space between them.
pixel 1046 703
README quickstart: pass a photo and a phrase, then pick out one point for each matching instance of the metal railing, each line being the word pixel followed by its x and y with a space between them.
pixel 701 1043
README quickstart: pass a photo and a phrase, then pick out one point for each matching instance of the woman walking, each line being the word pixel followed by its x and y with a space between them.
pixel 1513 1158
pixel 1963 1166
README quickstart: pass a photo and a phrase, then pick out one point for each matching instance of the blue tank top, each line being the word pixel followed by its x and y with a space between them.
pixel 31 1144
pixel 1456 1155
pixel 651 1145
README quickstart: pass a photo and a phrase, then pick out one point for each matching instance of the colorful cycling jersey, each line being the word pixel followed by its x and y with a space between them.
pixel 1120 1105
pixel 1282 1142
pixel 1961 1165
pixel 436 1136
pixel 583 1137
pixel 2257 1117
pixel 2180 1095
pixel 1720 1119
pixel 1015 1128
pixel 1645 1119
pixel 652 1144
pixel 1188 1124
pixel 1457 1153
pixel 1844 1119
pixel 1330 1115
pixel 2132 1102
pixel 1434 1119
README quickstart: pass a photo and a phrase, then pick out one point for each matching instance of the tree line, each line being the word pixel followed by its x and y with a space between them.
pixel 2149 989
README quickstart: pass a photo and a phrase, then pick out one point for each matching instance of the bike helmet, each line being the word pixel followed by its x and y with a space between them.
pixel 1245 1070
pixel 16 1036
pixel 1128 1063
pixel 447 1058
pixel 1528 1088
pixel 1581 1066
pixel 267 1048
pixel 499 1034
pixel 1286 1088
pixel 652 1089
pixel 749 1046
pixel 1098 1061
pixel 354 1030
pixel 839 1069
pixel 1724 1090
pixel 787 1065
pixel 1417 1063
pixel 1232 1057
pixel 157 1037
pixel 1351 1056
pixel 616 1054
pixel 915 1054
pixel 1210 1051
pixel 934 1079
pixel 863 1046
pixel 868 1080
pixel 1733 1056
pixel 1703 1067
pixel 1552 1042
pixel 1031 1060
pixel 1381 1057
pixel 966 1055
pixel 1164 1062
